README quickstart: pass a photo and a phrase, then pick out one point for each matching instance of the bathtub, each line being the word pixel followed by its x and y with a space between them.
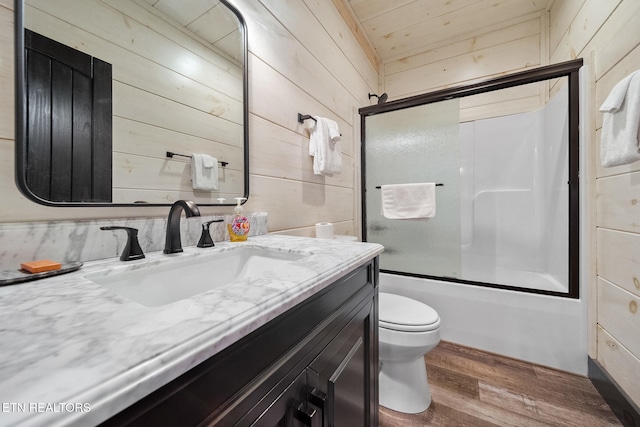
pixel 541 329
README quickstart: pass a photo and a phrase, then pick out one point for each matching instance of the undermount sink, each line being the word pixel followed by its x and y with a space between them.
pixel 155 283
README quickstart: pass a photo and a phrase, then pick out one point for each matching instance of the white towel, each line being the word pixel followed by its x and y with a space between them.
pixel 621 123
pixel 409 201
pixel 204 172
pixel 324 146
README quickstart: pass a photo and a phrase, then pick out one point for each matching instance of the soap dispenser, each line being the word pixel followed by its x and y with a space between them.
pixel 239 227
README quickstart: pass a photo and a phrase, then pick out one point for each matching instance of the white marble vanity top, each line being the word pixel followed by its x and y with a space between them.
pixel 73 353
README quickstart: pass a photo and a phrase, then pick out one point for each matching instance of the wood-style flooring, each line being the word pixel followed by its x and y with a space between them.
pixel 474 388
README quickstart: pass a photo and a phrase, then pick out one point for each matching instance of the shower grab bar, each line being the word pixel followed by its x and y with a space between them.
pixel 170 155
pixel 437 185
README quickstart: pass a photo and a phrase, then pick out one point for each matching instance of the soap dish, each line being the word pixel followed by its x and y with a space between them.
pixel 12 277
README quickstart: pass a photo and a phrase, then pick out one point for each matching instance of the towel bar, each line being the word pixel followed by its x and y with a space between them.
pixel 437 185
pixel 302 118
pixel 170 155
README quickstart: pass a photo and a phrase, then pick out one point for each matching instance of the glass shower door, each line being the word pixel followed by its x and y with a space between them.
pixel 417 144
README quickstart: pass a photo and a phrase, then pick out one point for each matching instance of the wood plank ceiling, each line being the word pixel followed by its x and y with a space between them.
pixel 208 19
pixel 400 28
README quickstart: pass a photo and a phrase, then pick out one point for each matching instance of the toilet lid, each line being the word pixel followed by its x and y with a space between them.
pixel 405 314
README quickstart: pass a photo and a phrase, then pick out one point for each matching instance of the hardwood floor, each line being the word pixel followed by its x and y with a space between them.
pixel 473 388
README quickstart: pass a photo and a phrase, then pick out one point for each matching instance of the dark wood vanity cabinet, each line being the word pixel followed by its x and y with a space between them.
pixel 314 365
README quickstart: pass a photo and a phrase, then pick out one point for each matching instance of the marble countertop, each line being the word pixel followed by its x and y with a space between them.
pixel 74 353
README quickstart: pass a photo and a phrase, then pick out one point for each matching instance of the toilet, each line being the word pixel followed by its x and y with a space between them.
pixel 408 329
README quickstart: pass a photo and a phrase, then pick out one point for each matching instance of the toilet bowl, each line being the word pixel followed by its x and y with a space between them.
pixel 408 329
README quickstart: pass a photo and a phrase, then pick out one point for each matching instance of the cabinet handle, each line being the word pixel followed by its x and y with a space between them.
pixel 305 415
pixel 317 398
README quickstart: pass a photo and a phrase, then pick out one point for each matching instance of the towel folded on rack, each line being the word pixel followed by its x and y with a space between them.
pixel 621 123
pixel 409 201
pixel 204 172
pixel 324 146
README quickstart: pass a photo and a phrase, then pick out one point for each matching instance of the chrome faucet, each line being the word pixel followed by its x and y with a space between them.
pixel 173 244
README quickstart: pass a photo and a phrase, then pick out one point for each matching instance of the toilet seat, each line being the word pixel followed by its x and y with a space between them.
pixel 404 314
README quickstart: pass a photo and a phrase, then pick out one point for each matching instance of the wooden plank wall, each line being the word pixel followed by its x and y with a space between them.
pixel 511 46
pixel 606 35
pixel 303 58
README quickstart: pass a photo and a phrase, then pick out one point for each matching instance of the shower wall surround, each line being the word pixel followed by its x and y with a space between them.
pixel 514 173
pixel 70 241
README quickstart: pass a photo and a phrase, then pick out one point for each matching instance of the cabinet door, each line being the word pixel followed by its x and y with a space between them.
pixel 290 409
pixel 339 378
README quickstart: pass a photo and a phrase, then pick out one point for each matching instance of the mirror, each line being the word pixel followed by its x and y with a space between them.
pixel 154 77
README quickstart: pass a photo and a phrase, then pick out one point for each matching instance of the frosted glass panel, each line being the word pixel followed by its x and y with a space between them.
pixel 502 214
pixel 418 144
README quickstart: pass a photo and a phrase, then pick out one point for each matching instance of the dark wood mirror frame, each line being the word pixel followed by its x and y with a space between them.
pixel 21 165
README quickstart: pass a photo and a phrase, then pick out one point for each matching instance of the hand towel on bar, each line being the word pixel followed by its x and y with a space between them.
pixel 204 172
pixel 324 146
pixel 409 201
pixel 621 123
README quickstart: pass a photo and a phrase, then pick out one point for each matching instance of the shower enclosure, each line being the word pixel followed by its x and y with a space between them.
pixel 505 152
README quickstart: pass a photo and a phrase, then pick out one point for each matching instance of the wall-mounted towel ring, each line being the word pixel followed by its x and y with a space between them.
pixel 171 154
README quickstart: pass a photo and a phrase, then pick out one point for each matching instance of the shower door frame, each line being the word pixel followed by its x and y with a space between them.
pixel 569 69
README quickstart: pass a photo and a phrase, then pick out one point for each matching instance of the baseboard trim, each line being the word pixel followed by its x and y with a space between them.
pixel 621 405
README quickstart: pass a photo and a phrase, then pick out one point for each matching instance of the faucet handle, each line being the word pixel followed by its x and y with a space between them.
pixel 205 238
pixel 132 249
